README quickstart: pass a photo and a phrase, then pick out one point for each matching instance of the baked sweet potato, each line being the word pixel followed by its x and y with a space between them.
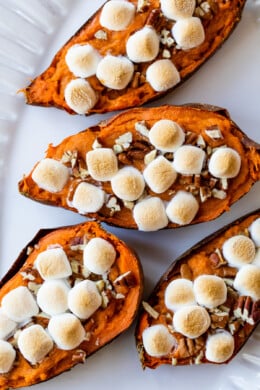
pixel 141 167
pixel 79 269
pixel 140 33
pixel 207 304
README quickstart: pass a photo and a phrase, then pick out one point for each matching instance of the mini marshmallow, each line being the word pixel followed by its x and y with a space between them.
pixel 99 255
pixel 254 230
pixel 52 297
pixel 102 164
pixel 34 343
pixel 128 184
pixel 66 330
pixel 7 326
pixel 82 60
pixel 158 341
pixel 188 32
pixel 188 160
pixel 53 264
pixel 143 45
pixel 80 96
pixel 116 15
pixel 219 347
pixel 150 215
pixel 84 299
pixel 239 250
pixel 88 198
pixel 19 304
pixel 159 175
pixel 50 175
pixel 191 321
pixel 225 163
pixel 247 281
pixel 182 208
pixel 115 72
pixel 177 9
pixel 166 135
pixel 179 293
pixel 210 291
pixel 162 75
pixel 7 356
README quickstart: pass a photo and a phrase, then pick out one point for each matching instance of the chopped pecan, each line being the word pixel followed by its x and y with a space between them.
pixel 226 272
pixel 246 309
pixel 123 158
pixel 217 259
pixel 235 325
pixel 185 179
pixel 186 272
pixel 205 193
pixel 154 19
pixel 219 320
pixel 191 138
pixel 197 180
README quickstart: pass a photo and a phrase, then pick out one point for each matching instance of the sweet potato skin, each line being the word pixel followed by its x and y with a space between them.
pixel 191 118
pixel 47 89
pixel 194 262
pixel 110 322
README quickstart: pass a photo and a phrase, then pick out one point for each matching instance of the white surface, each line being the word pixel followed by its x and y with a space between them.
pixel 230 79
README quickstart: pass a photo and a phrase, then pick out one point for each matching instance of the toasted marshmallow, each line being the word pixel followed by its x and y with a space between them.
pixel 128 184
pixel 182 208
pixel 177 9
pixel 84 299
pixel 143 45
pixel 102 164
pixel 7 326
pixel 80 96
pixel 53 264
pixel 158 341
pixel 188 160
pixel 82 60
pixel 225 163
pixel 188 33
pixel 7 356
pixel 150 215
pixel 210 291
pixel 179 293
pixel 116 15
pixel 159 175
pixel 99 255
pixel 34 343
pixel 239 250
pixel 166 135
pixel 19 304
pixel 162 75
pixel 115 72
pixel 254 230
pixel 219 347
pixel 191 321
pixel 50 175
pixel 52 297
pixel 247 281
pixel 66 331
pixel 88 198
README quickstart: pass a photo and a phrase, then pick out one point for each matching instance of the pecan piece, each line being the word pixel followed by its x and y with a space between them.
pixel 217 259
pixel 245 308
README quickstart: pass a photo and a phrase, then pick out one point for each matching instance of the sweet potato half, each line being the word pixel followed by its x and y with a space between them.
pixel 120 289
pixel 237 316
pixel 218 18
pixel 205 128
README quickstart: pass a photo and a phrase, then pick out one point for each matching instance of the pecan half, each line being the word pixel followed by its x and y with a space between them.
pixel 186 272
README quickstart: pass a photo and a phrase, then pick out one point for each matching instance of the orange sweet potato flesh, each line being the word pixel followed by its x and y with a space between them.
pixel 47 89
pixel 103 326
pixel 198 261
pixel 194 119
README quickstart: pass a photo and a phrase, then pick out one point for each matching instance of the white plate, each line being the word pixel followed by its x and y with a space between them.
pixel 31 31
